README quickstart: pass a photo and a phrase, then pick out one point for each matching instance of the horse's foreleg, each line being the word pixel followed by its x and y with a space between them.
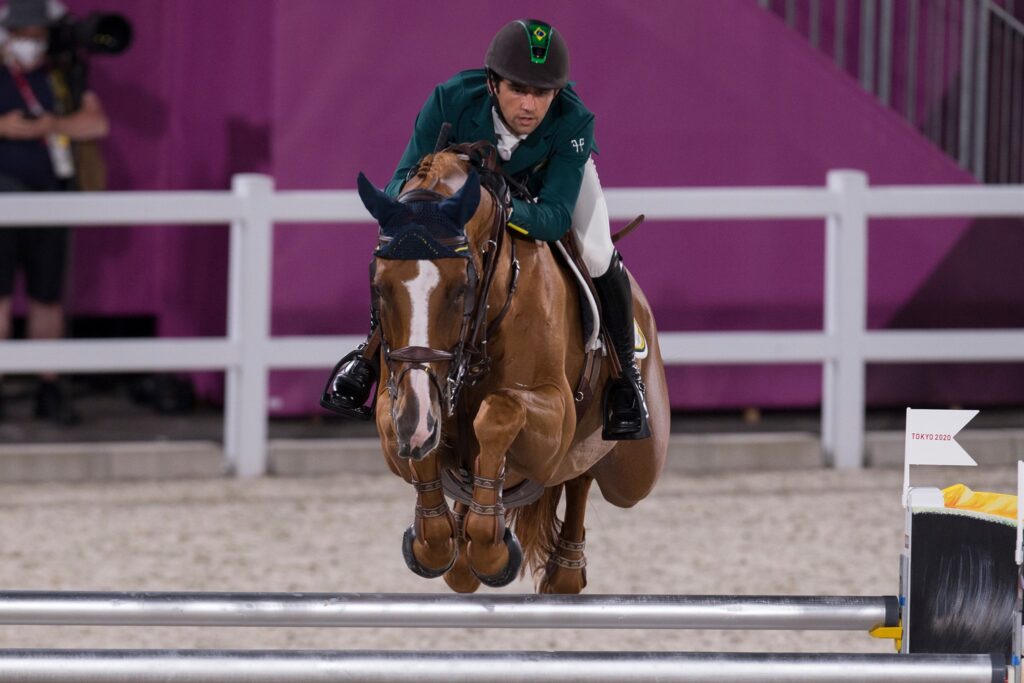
pixel 460 578
pixel 491 546
pixel 429 545
pixel 566 570
pixel 534 420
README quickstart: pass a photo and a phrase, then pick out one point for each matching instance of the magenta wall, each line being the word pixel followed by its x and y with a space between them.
pixel 687 93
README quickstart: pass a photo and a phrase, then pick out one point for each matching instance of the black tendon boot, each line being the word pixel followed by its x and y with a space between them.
pixel 349 386
pixel 625 410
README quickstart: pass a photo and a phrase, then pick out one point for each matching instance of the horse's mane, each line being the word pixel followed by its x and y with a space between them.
pixel 436 169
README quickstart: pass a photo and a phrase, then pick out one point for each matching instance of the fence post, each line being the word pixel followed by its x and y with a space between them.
pixel 867 45
pixel 250 272
pixel 842 403
pixel 981 93
pixel 967 56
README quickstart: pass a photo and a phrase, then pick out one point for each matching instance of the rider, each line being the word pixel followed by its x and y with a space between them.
pixel 523 102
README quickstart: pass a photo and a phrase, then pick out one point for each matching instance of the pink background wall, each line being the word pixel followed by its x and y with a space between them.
pixel 686 92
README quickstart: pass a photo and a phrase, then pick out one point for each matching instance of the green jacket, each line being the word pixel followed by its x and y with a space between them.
pixel 549 162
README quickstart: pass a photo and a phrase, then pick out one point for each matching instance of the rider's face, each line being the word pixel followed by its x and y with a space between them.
pixel 522 106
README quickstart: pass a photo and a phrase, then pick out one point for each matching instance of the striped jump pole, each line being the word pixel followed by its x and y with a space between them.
pixel 209 666
pixel 835 613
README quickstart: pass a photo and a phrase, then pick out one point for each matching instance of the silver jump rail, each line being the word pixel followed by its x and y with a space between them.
pixel 835 613
pixel 249 666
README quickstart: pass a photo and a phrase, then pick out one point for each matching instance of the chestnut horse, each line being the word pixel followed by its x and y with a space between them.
pixel 518 414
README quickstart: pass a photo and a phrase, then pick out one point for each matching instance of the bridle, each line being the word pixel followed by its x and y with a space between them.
pixel 468 359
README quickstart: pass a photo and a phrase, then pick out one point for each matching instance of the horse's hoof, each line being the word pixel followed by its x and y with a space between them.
pixel 511 570
pixel 461 578
pixel 568 582
pixel 410 557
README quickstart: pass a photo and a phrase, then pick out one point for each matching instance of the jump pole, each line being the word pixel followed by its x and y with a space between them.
pixel 248 666
pixel 837 613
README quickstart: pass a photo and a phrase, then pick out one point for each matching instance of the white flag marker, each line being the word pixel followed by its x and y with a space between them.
pixel 930 440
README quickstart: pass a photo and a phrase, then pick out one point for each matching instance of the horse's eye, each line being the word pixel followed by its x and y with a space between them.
pixel 457 296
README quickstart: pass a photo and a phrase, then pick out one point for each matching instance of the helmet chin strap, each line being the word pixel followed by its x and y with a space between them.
pixel 492 88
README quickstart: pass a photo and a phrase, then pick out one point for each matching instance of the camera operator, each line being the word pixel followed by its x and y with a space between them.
pixel 39 119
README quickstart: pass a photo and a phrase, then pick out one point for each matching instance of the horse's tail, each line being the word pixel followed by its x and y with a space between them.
pixel 537 526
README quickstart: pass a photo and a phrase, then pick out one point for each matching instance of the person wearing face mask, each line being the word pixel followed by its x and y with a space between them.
pixel 38 122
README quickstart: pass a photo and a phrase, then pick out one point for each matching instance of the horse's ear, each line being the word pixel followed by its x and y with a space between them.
pixel 379 204
pixel 461 206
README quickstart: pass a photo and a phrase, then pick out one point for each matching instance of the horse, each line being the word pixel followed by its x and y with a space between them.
pixel 477 375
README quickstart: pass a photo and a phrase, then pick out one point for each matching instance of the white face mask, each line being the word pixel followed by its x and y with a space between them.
pixel 27 52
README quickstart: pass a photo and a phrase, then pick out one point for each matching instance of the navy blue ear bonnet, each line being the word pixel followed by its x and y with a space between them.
pixel 421 227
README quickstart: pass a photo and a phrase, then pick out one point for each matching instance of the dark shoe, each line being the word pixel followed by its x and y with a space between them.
pixel 625 408
pixel 53 402
pixel 349 387
pixel 624 404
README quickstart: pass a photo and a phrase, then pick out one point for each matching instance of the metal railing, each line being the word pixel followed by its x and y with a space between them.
pixel 247 353
pixel 437 666
pixel 338 610
pixel 430 610
pixel 954 69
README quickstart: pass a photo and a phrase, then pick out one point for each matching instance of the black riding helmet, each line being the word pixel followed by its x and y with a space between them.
pixel 531 53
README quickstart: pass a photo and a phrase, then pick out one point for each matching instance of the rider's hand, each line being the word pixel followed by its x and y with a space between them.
pixel 16 126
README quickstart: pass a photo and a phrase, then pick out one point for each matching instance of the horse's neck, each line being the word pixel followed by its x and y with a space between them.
pixel 529 255
pixel 439 169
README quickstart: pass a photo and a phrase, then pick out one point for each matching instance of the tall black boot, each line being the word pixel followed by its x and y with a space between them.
pixel 351 382
pixel 625 409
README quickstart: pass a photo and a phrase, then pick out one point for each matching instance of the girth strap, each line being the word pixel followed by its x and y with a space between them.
pixel 586 385
pixel 459 485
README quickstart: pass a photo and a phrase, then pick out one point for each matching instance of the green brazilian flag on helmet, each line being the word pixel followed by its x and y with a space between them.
pixel 540 39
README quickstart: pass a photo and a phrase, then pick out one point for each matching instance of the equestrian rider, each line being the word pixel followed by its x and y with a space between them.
pixel 522 101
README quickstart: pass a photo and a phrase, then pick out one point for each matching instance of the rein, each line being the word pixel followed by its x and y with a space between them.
pixel 468 358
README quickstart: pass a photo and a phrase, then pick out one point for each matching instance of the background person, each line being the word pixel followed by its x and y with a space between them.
pixel 39 118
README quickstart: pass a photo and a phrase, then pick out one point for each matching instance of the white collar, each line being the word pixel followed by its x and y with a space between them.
pixel 507 140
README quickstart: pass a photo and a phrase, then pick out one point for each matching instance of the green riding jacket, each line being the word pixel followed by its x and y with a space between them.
pixel 549 162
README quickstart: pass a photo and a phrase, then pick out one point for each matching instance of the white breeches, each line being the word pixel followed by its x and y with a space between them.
pixel 590 224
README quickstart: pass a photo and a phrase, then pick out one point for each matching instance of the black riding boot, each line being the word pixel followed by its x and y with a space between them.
pixel 625 409
pixel 349 386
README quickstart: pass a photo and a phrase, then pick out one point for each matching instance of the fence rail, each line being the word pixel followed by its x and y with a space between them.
pixel 248 352
pixel 330 610
pixel 818 613
pixel 389 666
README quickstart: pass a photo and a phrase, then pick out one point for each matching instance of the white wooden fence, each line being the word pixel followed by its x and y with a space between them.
pixel 249 352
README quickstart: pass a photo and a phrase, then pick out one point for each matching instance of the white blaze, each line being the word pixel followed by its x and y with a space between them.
pixel 420 288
